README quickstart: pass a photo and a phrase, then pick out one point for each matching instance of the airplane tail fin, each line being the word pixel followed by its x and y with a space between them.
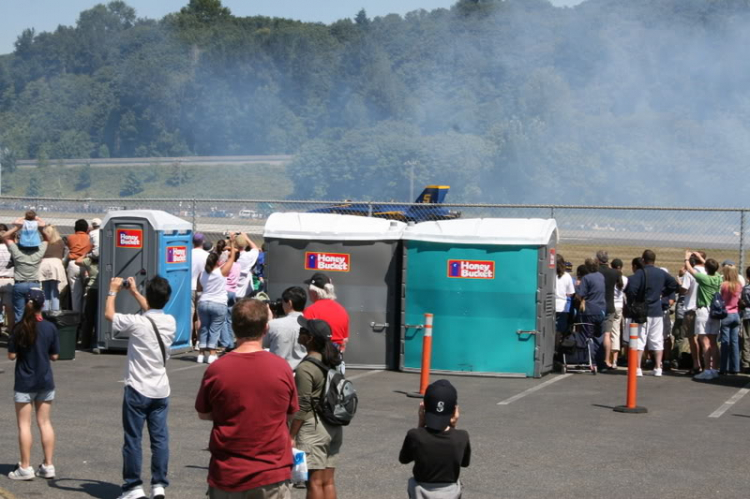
pixel 433 194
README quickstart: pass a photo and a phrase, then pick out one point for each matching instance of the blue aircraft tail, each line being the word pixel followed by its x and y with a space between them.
pixel 433 194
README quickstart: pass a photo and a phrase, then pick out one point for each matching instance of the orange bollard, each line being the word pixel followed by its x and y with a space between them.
pixel 630 405
pixel 424 380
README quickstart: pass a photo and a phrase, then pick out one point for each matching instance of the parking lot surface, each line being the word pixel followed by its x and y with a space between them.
pixel 555 436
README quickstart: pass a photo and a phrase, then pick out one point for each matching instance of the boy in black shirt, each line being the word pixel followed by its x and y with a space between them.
pixel 437 448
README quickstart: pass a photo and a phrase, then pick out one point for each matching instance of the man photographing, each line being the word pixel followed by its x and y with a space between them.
pixel 146 398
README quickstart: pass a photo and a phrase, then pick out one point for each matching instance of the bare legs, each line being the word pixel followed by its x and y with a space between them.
pixel 321 484
pixel 25 438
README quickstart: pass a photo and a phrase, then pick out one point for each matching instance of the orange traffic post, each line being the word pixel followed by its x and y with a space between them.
pixel 630 405
pixel 424 376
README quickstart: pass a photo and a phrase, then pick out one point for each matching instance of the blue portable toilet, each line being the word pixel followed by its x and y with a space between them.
pixel 490 284
pixel 143 244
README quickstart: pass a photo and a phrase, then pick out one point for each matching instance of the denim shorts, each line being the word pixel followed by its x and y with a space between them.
pixel 27 398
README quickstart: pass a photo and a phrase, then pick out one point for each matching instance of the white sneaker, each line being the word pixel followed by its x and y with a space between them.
pixel 157 491
pixel 46 471
pixel 200 358
pixel 212 359
pixel 657 372
pixel 22 473
pixel 639 372
pixel 136 493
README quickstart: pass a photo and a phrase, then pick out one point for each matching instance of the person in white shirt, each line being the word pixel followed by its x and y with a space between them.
pixel 146 398
pixel 617 321
pixel 94 235
pixel 689 288
pixel 198 260
pixel 212 304
pixel 564 289
pixel 247 259
pixel 283 333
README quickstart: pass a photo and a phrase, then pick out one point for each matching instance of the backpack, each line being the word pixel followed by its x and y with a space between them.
pixel 717 309
pixel 338 401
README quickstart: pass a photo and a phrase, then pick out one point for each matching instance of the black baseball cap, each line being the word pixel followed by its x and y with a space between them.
pixel 316 327
pixel 319 280
pixel 440 401
pixel 36 295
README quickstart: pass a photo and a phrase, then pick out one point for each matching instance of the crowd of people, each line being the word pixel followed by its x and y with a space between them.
pixel 710 303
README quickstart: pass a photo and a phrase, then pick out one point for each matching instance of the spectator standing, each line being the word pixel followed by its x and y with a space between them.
pixel 212 304
pixel 30 225
pixel 564 291
pixel 706 328
pixel 591 292
pixel 146 398
pixel 436 447
pixel 247 261
pixel 94 235
pixel 198 256
pixel 689 288
pixel 33 344
pixel 310 432
pixel 51 270
pixel 26 263
pixel 90 267
pixel 283 333
pixel 226 340
pixel 745 339
pixel 6 279
pixel 611 277
pixel 731 290
pixel 653 283
pixel 617 322
pixel 250 452
pixel 79 244
pixel 324 306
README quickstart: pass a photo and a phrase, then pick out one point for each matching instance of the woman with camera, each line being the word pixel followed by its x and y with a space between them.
pixel 212 305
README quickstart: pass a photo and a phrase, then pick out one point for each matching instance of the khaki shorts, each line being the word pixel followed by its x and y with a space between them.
pixel 689 323
pixel 615 329
pixel 321 442
pixel 279 490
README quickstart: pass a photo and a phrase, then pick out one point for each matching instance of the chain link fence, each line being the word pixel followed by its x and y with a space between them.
pixel 623 231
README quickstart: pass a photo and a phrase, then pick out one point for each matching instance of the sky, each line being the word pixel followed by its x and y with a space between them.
pixel 46 15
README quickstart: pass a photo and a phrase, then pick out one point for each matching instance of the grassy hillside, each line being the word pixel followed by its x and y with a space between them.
pixel 251 181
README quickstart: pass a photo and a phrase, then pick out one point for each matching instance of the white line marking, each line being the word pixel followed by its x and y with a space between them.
pixel 729 403
pixel 186 368
pixel 368 373
pixel 533 389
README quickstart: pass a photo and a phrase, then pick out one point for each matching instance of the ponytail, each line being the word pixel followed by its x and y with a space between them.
pixel 326 348
pixel 26 332
pixel 211 261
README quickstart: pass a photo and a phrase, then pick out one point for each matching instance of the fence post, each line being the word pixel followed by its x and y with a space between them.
pixel 552 212
pixel 369 209
pixel 742 242
pixel 194 207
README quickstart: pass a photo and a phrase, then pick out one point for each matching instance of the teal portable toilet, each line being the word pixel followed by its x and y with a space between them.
pixel 490 284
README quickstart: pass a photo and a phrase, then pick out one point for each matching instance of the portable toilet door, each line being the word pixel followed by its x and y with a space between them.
pixel 361 255
pixel 490 284
pixel 142 244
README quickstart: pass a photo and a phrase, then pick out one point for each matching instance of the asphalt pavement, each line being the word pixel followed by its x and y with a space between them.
pixel 555 436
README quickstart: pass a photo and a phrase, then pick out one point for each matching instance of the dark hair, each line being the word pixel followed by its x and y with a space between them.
pixel 581 271
pixel 747 273
pixel 211 262
pixel 81 225
pixel 648 257
pixel 560 265
pixel 712 266
pixel 25 331
pixel 30 215
pixel 637 263
pixel 3 227
pixel 297 296
pixel 592 265
pixel 158 292
pixel 220 245
pixel 617 265
pixel 328 351
pixel 249 318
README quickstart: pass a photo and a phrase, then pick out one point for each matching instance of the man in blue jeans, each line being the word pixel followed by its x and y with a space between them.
pixel 146 397
pixel 26 262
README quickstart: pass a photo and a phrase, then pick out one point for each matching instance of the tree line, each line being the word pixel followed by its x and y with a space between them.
pixel 506 100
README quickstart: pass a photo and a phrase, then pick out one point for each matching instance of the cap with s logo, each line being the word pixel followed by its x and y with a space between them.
pixel 440 401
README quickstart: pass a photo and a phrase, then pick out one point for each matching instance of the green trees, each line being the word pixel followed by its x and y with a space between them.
pixel 507 100
pixel 131 185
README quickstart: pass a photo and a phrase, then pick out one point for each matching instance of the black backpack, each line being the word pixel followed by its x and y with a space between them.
pixel 338 400
pixel 717 309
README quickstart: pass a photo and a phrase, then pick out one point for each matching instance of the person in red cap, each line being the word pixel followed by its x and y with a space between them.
pixel 436 447
pixel 325 307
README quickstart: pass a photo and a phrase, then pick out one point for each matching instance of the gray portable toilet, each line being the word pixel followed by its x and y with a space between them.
pixel 490 284
pixel 362 257
pixel 143 244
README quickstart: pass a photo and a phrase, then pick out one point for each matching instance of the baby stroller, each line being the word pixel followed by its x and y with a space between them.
pixel 576 351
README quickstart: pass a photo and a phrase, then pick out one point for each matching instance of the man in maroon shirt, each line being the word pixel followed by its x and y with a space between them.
pixel 249 394
pixel 324 306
